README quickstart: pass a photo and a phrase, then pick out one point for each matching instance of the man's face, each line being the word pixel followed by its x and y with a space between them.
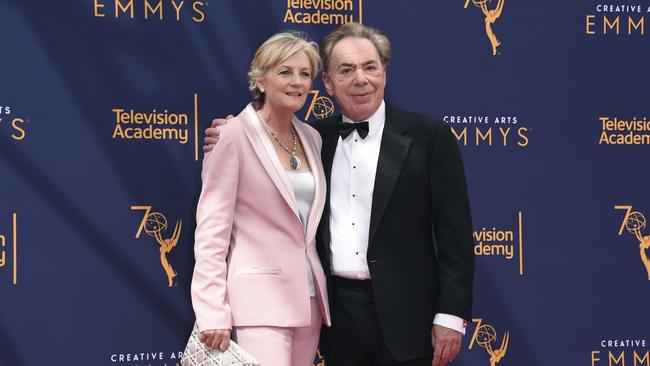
pixel 356 78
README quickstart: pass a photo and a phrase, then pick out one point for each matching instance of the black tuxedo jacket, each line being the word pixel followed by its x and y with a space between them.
pixel 420 250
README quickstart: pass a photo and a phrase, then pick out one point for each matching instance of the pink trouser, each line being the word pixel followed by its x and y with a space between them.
pixel 279 346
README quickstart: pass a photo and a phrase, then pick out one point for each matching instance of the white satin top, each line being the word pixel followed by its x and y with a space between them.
pixel 304 188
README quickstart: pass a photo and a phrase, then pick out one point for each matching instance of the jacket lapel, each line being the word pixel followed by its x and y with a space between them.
pixel 330 136
pixel 265 151
pixel 394 148
pixel 330 140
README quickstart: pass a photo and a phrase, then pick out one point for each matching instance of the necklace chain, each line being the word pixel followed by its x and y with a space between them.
pixel 294 161
pixel 293 137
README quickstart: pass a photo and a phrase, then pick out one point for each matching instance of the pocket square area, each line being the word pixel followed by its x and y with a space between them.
pixel 259 270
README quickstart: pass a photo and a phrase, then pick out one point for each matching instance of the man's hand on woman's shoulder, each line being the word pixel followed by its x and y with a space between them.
pixel 212 133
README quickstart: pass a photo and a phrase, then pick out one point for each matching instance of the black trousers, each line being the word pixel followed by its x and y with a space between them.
pixel 355 338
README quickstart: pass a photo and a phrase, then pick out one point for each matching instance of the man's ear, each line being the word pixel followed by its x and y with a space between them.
pixel 328 84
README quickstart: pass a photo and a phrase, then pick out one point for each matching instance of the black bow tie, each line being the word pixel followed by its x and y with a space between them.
pixel 345 129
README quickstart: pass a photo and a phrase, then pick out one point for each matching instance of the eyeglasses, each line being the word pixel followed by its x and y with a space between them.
pixel 346 71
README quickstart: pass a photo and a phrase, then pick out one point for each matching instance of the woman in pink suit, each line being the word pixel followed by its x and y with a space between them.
pixel 257 272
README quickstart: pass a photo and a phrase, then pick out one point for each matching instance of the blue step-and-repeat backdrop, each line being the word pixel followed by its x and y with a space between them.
pixel 103 104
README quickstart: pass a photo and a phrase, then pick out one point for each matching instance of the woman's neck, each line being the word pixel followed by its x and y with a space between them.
pixel 278 121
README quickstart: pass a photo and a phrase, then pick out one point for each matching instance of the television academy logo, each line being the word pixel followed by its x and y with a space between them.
pixel 634 222
pixel 157 124
pixel 328 12
pixel 9 248
pixel 15 124
pixel 624 131
pixel 491 16
pixel 501 241
pixel 155 225
pixel 485 336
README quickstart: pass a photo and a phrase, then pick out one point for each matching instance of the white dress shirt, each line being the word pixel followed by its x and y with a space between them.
pixel 352 185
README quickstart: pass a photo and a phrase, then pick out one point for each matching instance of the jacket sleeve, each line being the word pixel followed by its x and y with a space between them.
pixel 452 225
pixel 214 221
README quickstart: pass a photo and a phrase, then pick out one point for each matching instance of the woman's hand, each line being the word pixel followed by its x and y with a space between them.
pixel 216 338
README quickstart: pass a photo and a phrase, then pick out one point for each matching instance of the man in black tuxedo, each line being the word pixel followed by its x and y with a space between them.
pixel 391 175
pixel 396 235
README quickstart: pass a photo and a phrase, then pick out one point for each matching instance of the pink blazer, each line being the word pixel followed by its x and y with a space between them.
pixel 250 244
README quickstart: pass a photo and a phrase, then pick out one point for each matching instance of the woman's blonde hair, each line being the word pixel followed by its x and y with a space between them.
pixel 276 50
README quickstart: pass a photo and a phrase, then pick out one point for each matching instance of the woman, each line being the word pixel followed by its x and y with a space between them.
pixel 257 272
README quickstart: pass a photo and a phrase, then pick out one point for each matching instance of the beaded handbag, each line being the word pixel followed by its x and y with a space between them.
pixel 197 354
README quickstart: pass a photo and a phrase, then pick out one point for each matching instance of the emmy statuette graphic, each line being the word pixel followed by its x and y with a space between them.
pixel 634 223
pixel 491 16
pixel 155 225
pixel 485 339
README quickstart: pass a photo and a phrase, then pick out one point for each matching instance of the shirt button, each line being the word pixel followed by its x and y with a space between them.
pixel 355 140
pixel 357 253
pixel 354 195
pixel 353 224
pixel 354 167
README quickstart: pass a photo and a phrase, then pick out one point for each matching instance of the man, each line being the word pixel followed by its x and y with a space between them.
pixel 395 291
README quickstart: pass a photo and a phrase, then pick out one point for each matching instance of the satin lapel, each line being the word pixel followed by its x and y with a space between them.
pixel 330 140
pixel 265 151
pixel 394 148
pixel 313 156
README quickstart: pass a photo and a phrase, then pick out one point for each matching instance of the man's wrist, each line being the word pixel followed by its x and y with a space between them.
pixel 451 321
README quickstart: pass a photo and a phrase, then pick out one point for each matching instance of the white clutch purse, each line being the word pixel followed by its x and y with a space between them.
pixel 197 354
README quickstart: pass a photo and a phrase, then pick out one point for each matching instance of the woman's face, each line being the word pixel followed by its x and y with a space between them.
pixel 287 84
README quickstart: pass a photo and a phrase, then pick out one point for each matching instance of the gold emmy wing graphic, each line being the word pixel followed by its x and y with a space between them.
pixel 155 224
pixel 634 223
pixel 491 16
pixel 486 335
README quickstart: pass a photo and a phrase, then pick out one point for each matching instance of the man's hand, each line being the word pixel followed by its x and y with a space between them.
pixel 212 133
pixel 446 344
pixel 216 338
